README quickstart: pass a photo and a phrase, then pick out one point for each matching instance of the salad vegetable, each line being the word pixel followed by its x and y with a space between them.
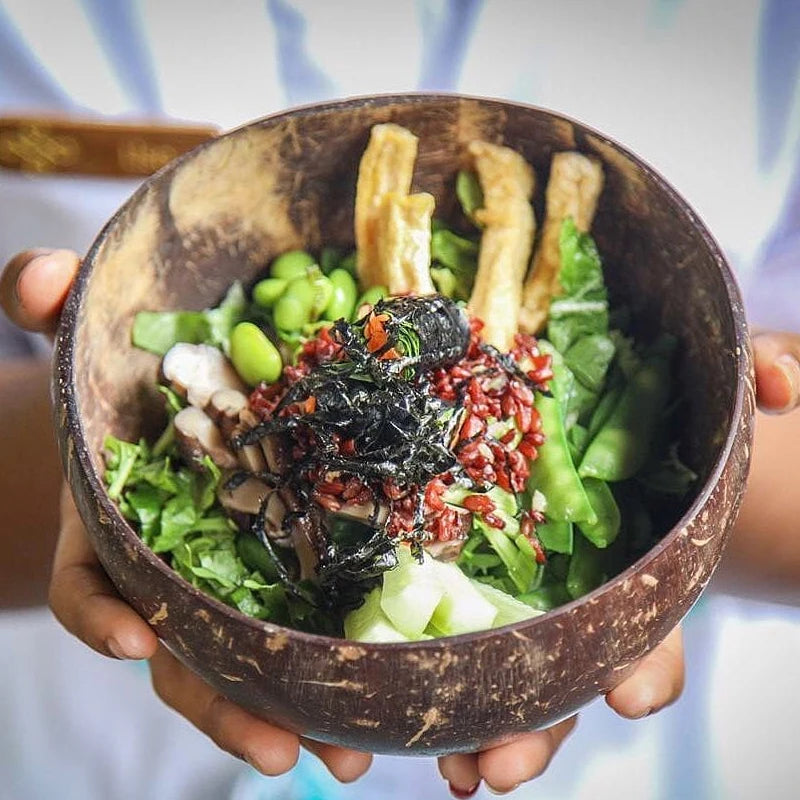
pixel 366 444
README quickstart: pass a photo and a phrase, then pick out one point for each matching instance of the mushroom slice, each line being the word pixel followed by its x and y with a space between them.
pixel 198 436
pixel 274 448
pixel 386 166
pixel 247 497
pixel 572 191
pixel 251 456
pixel 196 371
pixel 224 407
pixel 509 226
pixel 404 243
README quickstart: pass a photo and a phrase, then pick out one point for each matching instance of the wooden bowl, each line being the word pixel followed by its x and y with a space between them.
pixel 219 214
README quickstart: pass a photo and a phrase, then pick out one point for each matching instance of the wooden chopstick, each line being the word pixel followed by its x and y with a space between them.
pixel 50 144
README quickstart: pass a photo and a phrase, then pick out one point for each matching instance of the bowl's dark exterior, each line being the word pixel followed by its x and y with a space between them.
pixel 218 214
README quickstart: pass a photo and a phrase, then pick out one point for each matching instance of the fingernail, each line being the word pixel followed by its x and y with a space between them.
pixel 645 712
pixel 790 367
pixel 114 647
pixel 462 794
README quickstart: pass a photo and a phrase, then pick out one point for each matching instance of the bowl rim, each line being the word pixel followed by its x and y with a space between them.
pixel 66 406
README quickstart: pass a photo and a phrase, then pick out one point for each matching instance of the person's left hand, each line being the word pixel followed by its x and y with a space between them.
pixel 656 682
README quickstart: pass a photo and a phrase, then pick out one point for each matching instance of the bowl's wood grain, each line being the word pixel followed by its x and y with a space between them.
pixel 217 215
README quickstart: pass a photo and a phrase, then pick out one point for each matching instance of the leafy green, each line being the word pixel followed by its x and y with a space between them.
pixel 454 263
pixel 469 193
pixel 158 331
pixel 582 309
pixel 589 358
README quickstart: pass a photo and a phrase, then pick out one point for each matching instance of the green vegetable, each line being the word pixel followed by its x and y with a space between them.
pixel 329 259
pixel 266 292
pixel 254 356
pixel 668 475
pixel 370 297
pixel 255 556
pixel 343 297
pixel 586 571
pixel 158 331
pixel 603 409
pixel 547 597
pixel 582 309
pixel 553 472
pixel 463 608
pixel 292 264
pixel 368 623
pixel 556 536
pixel 509 609
pixel 517 558
pixel 589 358
pixel 293 310
pixel 469 193
pixel 459 257
pixel 622 446
pixel 120 460
pixel 604 531
pixel 411 592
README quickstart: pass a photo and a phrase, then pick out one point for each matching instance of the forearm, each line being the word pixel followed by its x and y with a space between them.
pixel 30 477
pixel 763 557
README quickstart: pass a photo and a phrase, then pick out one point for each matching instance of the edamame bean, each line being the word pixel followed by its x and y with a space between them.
pixel 343 297
pixel 266 292
pixel 254 356
pixel 292 264
pixel 369 298
pixel 323 291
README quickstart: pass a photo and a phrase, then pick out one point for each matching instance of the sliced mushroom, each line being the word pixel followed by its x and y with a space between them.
pixel 196 371
pixel 251 457
pixel 197 436
pixel 274 448
pixel 273 520
pixel 305 532
pixel 224 407
pixel 247 497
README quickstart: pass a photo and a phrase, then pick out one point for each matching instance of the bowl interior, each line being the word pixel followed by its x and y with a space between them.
pixel 221 212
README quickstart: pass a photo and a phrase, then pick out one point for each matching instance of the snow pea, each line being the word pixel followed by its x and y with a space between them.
pixel 586 569
pixel 622 445
pixel 604 408
pixel 605 530
pixel 553 472
pixel 555 536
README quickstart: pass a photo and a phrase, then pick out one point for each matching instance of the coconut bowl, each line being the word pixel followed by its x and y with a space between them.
pixel 218 214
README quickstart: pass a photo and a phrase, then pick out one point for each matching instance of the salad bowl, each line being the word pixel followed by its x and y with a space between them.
pixel 218 214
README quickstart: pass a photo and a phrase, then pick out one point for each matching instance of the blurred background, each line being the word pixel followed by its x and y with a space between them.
pixel 707 91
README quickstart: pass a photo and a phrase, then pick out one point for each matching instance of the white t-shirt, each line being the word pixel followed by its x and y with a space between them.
pixel 706 93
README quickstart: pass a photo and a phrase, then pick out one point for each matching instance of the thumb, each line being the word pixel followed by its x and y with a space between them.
pixel 777 366
pixel 35 284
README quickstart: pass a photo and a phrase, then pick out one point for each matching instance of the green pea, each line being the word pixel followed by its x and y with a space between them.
pixel 343 297
pixel 254 356
pixel 293 264
pixel 266 292
pixel 370 297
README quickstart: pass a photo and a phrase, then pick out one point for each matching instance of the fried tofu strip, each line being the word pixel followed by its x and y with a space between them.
pixel 386 166
pixel 404 243
pixel 507 216
pixel 572 191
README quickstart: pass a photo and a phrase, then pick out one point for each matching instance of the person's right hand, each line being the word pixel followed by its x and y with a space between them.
pixel 33 287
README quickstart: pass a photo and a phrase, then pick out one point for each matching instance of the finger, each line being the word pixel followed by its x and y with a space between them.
pixel 777 367
pixel 656 682
pixel 345 765
pixel 461 772
pixel 506 767
pixel 84 599
pixel 34 286
pixel 267 748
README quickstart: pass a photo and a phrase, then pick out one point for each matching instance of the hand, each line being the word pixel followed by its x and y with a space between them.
pixel 658 679
pixel 33 288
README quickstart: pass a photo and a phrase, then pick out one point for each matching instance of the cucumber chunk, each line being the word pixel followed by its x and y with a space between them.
pixel 368 623
pixel 463 608
pixel 509 609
